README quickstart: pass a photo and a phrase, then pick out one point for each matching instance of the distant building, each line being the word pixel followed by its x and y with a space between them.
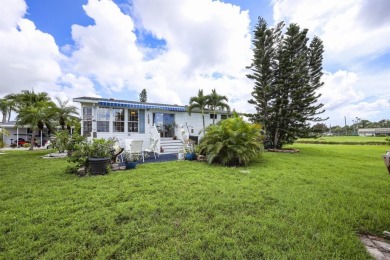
pixel 373 131
pixel 20 135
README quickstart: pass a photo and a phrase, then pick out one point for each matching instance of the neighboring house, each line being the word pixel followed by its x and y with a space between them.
pixel 104 118
pixel 22 135
pixel 373 131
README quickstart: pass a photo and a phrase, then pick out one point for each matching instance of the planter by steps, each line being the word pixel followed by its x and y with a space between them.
pixel 98 165
pixel 131 165
pixel 190 156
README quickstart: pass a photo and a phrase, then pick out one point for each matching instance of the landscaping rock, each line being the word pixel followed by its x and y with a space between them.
pixel 115 166
pixel 55 155
pixel 81 171
pixel 377 247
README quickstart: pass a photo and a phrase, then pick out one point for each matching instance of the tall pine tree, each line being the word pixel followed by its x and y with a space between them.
pixel 143 96
pixel 286 73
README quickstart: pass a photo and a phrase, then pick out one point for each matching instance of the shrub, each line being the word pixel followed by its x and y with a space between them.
pixel 60 140
pixel 97 148
pixel 63 140
pixel 232 142
pixel 3 132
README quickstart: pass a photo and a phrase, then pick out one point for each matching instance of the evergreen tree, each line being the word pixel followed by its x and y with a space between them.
pixel 286 73
pixel 143 96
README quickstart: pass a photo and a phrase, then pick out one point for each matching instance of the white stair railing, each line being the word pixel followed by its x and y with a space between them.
pixel 155 135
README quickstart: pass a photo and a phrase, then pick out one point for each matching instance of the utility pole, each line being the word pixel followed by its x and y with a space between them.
pixel 345 123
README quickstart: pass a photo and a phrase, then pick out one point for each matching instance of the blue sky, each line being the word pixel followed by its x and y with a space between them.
pixel 173 48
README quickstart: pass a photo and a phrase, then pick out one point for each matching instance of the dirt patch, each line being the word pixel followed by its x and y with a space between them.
pixel 283 150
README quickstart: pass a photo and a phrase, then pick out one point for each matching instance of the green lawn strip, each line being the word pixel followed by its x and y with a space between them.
pixel 351 140
pixel 308 205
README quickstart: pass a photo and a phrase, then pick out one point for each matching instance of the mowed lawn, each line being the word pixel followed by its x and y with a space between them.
pixel 345 140
pixel 309 205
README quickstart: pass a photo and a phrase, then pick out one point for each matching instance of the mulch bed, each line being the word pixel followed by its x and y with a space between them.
pixel 283 150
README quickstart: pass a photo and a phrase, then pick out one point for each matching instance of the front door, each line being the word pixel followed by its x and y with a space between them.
pixel 165 124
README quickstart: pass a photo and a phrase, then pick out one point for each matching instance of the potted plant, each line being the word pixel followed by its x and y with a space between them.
pixel 100 155
pixel 94 156
pixel 189 150
pixel 130 159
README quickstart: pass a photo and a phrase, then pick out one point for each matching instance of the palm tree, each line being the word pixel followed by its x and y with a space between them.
pixel 35 110
pixel 214 101
pixel 4 109
pixel 11 105
pixel 198 102
pixel 28 98
pixel 66 114
pixel 35 115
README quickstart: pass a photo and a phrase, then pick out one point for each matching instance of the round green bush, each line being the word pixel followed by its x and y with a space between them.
pixel 232 142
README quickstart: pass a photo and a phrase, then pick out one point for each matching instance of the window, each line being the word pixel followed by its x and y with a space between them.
pixel 213 116
pixel 103 120
pixel 87 126
pixel 119 119
pixel 223 117
pixel 87 120
pixel 87 113
pixel 132 124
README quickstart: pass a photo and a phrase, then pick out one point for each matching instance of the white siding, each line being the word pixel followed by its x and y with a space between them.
pixel 194 122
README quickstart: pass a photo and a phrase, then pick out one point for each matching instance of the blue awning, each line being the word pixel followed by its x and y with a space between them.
pixel 140 106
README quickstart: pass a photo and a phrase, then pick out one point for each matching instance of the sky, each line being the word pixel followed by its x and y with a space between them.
pixel 173 48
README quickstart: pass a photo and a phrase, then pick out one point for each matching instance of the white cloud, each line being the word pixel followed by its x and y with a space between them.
pixel 107 50
pixel 365 110
pixel 28 58
pixel 338 90
pixel 350 29
pixel 12 11
pixel 213 35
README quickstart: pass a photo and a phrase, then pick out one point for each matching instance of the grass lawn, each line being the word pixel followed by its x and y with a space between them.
pixel 309 205
pixel 345 140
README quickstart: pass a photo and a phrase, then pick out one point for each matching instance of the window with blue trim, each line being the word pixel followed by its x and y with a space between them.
pixel 119 120
pixel 132 124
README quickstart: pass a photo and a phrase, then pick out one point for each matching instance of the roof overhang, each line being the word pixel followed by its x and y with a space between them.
pixel 118 104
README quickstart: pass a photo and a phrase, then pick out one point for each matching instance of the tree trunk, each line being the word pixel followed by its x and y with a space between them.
pixel 32 140
pixel 204 125
pixel 4 117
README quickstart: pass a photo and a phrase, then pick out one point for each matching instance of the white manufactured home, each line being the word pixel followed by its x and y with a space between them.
pixel 104 118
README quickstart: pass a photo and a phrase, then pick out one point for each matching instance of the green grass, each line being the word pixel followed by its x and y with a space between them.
pixel 309 205
pixel 345 140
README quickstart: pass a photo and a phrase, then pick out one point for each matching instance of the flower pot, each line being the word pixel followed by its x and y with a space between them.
pixel 131 165
pixel 98 165
pixel 180 156
pixel 190 156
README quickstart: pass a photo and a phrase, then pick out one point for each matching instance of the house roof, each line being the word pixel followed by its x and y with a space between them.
pixel 110 102
pixel 8 124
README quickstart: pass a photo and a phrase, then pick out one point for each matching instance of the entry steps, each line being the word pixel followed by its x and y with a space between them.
pixel 171 146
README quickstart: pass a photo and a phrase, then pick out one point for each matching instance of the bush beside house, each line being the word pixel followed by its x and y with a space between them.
pixel 232 142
